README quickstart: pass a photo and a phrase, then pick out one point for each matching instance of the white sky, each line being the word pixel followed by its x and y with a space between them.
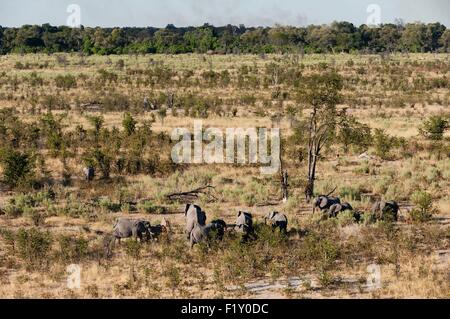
pixel 159 13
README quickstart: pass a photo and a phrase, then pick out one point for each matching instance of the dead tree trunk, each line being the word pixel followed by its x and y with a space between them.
pixel 284 185
pixel 317 138
pixel 283 177
pixel 309 190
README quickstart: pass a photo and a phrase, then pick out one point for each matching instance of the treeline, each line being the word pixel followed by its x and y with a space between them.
pixel 336 37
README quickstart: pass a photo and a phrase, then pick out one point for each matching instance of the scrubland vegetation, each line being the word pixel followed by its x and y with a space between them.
pixel 387 119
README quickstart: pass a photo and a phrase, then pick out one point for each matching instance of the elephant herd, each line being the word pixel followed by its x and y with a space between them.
pixel 198 231
pixel 332 206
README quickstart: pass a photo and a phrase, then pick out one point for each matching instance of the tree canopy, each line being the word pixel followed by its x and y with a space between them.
pixel 335 37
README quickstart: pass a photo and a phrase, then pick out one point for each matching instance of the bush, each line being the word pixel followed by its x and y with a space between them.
pixel 129 124
pixel 107 204
pixel 434 127
pixel 424 210
pixel 383 143
pixel 133 248
pixel 18 168
pixel 346 218
pixel 65 81
pixel 72 249
pixel 368 218
pixel 33 246
pixel 150 208
pixel 352 193
pixel 36 217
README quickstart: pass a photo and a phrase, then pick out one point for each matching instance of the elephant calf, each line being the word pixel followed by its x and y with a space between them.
pixel 193 214
pixel 277 220
pixel 213 231
pixel 126 228
pixel 244 223
pixel 386 210
pixel 335 209
pixel 325 202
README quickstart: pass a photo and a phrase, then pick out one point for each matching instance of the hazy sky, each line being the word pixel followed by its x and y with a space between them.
pixel 159 13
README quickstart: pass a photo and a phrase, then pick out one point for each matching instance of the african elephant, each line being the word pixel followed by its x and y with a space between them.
pixel 325 202
pixel 335 209
pixel 385 210
pixel 89 173
pixel 277 220
pixel 126 228
pixel 244 223
pixel 220 226
pixel 164 227
pixel 193 214
pixel 203 233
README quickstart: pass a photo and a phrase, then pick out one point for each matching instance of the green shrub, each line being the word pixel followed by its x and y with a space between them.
pixel 129 124
pixel 33 246
pixel 133 248
pixel 352 193
pixel 383 144
pixel 149 207
pixel 368 218
pixel 35 216
pixel 172 274
pixel 108 205
pixel 424 210
pixel 346 218
pixel 18 168
pixel 434 127
pixel 65 81
pixel 72 249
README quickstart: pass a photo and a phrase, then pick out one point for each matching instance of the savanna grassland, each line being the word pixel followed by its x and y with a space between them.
pixel 62 112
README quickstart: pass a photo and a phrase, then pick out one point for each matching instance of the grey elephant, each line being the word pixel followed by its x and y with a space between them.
pixel 244 223
pixel 324 202
pixel 221 226
pixel 89 173
pixel 386 210
pixel 277 220
pixel 205 233
pixel 193 214
pixel 335 209
pixel 126 228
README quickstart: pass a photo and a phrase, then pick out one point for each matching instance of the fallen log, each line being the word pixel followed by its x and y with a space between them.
pixel 193 194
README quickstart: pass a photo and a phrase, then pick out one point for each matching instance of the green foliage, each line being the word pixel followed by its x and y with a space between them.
pixel 33 246
pixel 172 274
pixel 18 167
pixel 72 249
pixel 133 248
pixel 65 81
pixel 129 124
pixel 434 127
pixel 424 210
pixel 335 37
pixel 149 207
pixel 384 144
pixel 350 192
pixel 353 133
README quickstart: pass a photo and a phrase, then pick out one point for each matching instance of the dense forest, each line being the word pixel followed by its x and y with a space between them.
pixel 336 37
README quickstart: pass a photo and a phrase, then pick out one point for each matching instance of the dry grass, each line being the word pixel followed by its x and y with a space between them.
pixel 413 264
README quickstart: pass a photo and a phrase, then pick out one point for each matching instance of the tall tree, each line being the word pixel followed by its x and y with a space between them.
pixel 322 94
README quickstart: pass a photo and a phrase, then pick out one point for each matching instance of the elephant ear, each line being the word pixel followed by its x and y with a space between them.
pixel 186 209
pixel 323 202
